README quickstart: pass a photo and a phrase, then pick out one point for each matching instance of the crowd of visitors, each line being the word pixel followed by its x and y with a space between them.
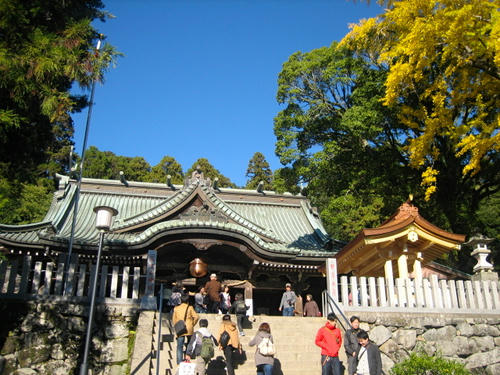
pixel 196 348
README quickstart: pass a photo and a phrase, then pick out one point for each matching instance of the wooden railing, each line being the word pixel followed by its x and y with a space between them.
pixel 23 278
pixel 413 295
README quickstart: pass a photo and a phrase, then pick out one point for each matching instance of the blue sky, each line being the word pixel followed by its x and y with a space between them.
pixel 199 77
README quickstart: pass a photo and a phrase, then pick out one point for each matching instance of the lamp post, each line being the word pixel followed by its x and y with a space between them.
pixel 103 224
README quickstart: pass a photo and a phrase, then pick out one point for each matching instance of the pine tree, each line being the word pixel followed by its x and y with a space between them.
pixel 259 170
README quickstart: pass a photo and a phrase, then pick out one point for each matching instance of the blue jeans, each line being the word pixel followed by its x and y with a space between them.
pixel 287 311
pixel 265 369
pixel 180 347
pixel 330 365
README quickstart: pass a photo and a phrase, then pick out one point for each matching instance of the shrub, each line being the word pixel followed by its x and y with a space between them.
pixel 422 364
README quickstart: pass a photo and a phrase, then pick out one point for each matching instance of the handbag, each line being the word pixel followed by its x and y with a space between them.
pixel 186 368
pixel 180 326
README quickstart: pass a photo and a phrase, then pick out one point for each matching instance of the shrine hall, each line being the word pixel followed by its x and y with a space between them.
pixel 256 241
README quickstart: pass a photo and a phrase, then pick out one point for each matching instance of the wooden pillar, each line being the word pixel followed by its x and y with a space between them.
pixel 388 270
pixel 417 267
pixel 403 264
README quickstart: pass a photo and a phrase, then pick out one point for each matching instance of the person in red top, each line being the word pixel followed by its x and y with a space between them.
pixel 329 339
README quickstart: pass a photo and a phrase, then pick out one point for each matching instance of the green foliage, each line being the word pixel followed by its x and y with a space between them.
pixel 167 166
pixel 346 215
pixel 422 364
pixel 107 165
pixel 259 170
pixel 210 171
pixel 23 203
pixel 334 135
pixel 45 48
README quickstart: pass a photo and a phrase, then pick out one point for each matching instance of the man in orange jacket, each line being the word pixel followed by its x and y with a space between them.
pixel 329 339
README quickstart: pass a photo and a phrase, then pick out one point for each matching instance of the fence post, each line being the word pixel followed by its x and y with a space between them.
pixel 125 279
pixel 23 288
pixel 36 278
pixel 453 292
pixel 391 292
pixel 487 294
pixel 410 290
pixel 3 273
pixel 59 278
pixel 48 278
pixel 401 293
pixel 436 292
pixel 104 281
pixel 494 293
pixel 429 301
pixel 381 292
pixel 419 293
pixel 470 294
pixel 446 294
pixel 81 280
pixel 462 300
pixel 479 294
pixel 137 277
pixel 364 294
pixel 373 292
pixel 354 291
pixel 114 282
pixel 68 291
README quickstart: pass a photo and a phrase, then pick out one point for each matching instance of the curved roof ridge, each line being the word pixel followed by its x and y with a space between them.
pixel 155 211
pixel 247 223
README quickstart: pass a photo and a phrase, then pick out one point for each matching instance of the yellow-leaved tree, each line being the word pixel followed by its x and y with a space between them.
pixel 443 58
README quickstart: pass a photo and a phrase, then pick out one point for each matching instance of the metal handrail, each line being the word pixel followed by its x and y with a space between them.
pixel 158 341
pixel 332 304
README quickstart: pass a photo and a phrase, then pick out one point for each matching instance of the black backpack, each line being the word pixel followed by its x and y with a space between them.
pixel 224 339
pixel 241 308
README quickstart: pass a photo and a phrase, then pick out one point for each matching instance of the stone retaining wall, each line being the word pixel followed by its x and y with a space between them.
pixel 474 342
pixel 48 338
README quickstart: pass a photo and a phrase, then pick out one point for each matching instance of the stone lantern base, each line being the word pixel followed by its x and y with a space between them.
pixel 485 275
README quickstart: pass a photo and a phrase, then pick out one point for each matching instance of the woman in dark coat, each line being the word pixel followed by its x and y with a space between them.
pixel 311 307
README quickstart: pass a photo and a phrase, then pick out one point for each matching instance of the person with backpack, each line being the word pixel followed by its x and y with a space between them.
pixel 288 299
pixel 264 353
pixel 368 359
pixel 351 344
pixel 240 309
pixel 184 319
pixel 329 339
pixel 229 341
pixel 201 347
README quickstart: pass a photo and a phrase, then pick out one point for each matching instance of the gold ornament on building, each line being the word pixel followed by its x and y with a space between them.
pixel 198 268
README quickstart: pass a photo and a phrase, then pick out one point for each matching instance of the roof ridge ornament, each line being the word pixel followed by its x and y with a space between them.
pixel 198 178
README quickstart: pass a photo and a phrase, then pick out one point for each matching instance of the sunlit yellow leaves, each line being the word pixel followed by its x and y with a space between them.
pixel 444 74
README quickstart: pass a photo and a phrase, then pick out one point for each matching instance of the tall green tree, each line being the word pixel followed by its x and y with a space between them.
pixel 259 170
pixel 336 138
pixel 210 171
pixel 167 166
pixel 45 48
pixel 107 165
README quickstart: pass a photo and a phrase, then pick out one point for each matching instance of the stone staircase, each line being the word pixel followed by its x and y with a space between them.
pixel 296 353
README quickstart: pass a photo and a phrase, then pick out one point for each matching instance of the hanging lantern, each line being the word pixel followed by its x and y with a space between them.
pixel 198 268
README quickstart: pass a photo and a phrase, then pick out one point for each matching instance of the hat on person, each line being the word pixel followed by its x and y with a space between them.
pixel 288 285
pixel 213 275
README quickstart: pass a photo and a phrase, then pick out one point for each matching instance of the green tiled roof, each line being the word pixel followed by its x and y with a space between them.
pixel 276 224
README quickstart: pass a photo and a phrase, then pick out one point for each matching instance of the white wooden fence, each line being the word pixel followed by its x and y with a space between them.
pixel 425 295
pixel 25 279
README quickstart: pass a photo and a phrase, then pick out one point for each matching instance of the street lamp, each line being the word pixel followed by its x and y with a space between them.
pixel 103 224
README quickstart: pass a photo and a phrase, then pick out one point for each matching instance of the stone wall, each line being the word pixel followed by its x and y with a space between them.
pixel 48 338
pixel 473 341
